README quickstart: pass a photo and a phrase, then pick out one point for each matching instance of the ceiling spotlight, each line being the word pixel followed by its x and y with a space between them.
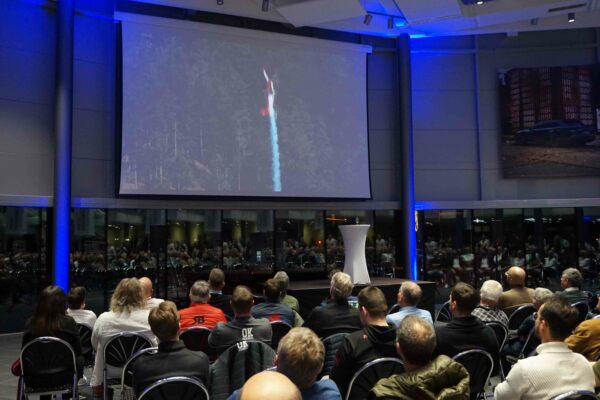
pixel 571 17
pixel 265 5
pixel 479 2
pixel 367 19
pixel 220 2
pixel 390 22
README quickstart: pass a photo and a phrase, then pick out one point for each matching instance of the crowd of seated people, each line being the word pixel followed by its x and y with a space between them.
pixel 562 361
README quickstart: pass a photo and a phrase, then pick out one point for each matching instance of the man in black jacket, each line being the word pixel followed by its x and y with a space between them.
pixel 377 339
pixel 465 331
pixel 216 283
pixel 337 315
pixel 173 358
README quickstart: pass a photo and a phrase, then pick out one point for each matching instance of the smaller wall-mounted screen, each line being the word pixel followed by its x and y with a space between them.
pixel 551 122
pixel 218 111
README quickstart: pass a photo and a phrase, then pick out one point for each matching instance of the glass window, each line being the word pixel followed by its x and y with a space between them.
pixel 559 236
pixel 247 239
pixel 194 238
pixel 386 238
pixel 299 239
pixel 334 243
pixel 589 247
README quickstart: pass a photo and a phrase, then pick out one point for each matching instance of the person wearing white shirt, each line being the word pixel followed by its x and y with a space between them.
pixel 77 311
pixel 148 290
pixel 555 369
pixel 128 313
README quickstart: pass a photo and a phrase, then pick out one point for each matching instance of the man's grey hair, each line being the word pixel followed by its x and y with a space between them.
pixel 540 295
pixel 491 290
pixel 341 286
pixel 283 277
pixel 411 292
pixel 417 341
pixel 200 292
pixel 574 276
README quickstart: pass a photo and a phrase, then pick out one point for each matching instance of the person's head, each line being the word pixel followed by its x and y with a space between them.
pixel 284 279
pixel 415 341
pixel 371 304
pixel 272 290
pixel 540 295
pixel 216 279
pixel 49 312
pixel 341 286
pixel 463 299
pixel 76 298
pixel 146 284
pixel 555 320
pixel 490 292
pixel 571 277
pixel 515 276
pixel 200 292
pixel 164 321
pixel 242 300
pixel 269 385
pixel 409 294
pixel 300 356
pixel 127 296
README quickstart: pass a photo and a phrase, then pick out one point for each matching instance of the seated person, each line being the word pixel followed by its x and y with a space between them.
pixel 216 282
pixel 585 339
pixel 200 313
pixel 424 377
pixel 571 280
pixel 300 357
pixel 269 385
pixel 487 310
pixel 464 331
pixel 76 310
pixel 173 358
pixel 409 296
pixel 288 299
pixel 148 290
pixel 555 369
pixel 243 326
pixel 337 315
pixel 377 339
pixel 518 293
pixel 272 308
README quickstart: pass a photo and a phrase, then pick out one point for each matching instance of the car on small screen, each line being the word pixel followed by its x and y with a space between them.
pixel 557 133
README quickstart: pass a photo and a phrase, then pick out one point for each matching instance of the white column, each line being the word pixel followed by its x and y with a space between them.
pixel 355 237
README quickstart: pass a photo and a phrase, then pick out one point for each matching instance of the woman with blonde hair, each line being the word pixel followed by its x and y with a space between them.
pixel 127 314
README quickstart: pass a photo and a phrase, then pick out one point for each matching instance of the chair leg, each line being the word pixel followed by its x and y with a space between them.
pixel 104 385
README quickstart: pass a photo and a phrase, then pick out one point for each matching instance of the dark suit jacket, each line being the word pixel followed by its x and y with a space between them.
pixel 172 359
pixel 222 301
pixel 335 317
pixel 573 296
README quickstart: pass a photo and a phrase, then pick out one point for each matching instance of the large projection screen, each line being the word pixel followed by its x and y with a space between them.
pixel 209 110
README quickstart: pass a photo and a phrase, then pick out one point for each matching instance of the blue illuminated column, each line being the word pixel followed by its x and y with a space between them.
pixel 408 185
pixel 63 118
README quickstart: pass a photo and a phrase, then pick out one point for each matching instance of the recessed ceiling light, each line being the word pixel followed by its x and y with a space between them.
pixel 479 2
pixel 571 17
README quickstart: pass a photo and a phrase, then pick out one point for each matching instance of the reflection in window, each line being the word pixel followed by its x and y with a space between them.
pixel 589 247
pixel 386 249
pixel 299 239
pixel 194 238
pixel 247 239
pixel 334 243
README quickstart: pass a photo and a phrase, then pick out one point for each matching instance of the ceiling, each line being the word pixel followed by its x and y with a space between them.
pixel 423 17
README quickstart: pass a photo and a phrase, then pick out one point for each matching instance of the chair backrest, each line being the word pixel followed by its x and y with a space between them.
pixel 367 376
pixel 127 372
pixel 519 315
pixel 85 336
pixel 332 343
pixel 119 348
pixel 479 364
pixel 176 387
pixel 394 309
pixel 576 395
pixel 280 329
pixel 583 309
pixel 49 363
pixel 444 314
pixel 500 330
pixel 236 365
pixel 196 338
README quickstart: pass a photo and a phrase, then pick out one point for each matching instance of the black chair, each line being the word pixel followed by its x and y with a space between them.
pixel 583 309
pixel 127 372
pixel 367 376
pixel 280 329
pixel 49 367
pixel 519 315
pixel 236 365
pixel 576 395
pixel 479 364
pixel 196 338
pixel 117 351
pixel 524 350
pixel 444 314
pixel 501 333
pixel 393 309
pixel 332 343
pixel 176 387
pixel 87 350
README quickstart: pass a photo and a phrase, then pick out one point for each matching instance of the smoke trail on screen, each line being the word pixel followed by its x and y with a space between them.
pixel 270 111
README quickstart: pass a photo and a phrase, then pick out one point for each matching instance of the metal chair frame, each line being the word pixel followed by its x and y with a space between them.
pixel 174 379
pixel 47 339
pixel 444 312
pixel 192 329
pixel 583 309
pixel 488 356
pixel 501 344
pixel 130 361
pixel 274 323
pixel 579 395
pixel 366 367
pixel 513 325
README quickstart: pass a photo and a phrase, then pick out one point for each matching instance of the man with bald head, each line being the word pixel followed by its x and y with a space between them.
pixel 147 290
pixel 518 293
pixel 270 385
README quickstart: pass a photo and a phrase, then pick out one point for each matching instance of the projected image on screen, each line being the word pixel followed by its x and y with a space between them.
pixel 220 111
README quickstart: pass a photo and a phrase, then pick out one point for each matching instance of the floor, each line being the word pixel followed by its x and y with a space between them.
pixel 9 352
